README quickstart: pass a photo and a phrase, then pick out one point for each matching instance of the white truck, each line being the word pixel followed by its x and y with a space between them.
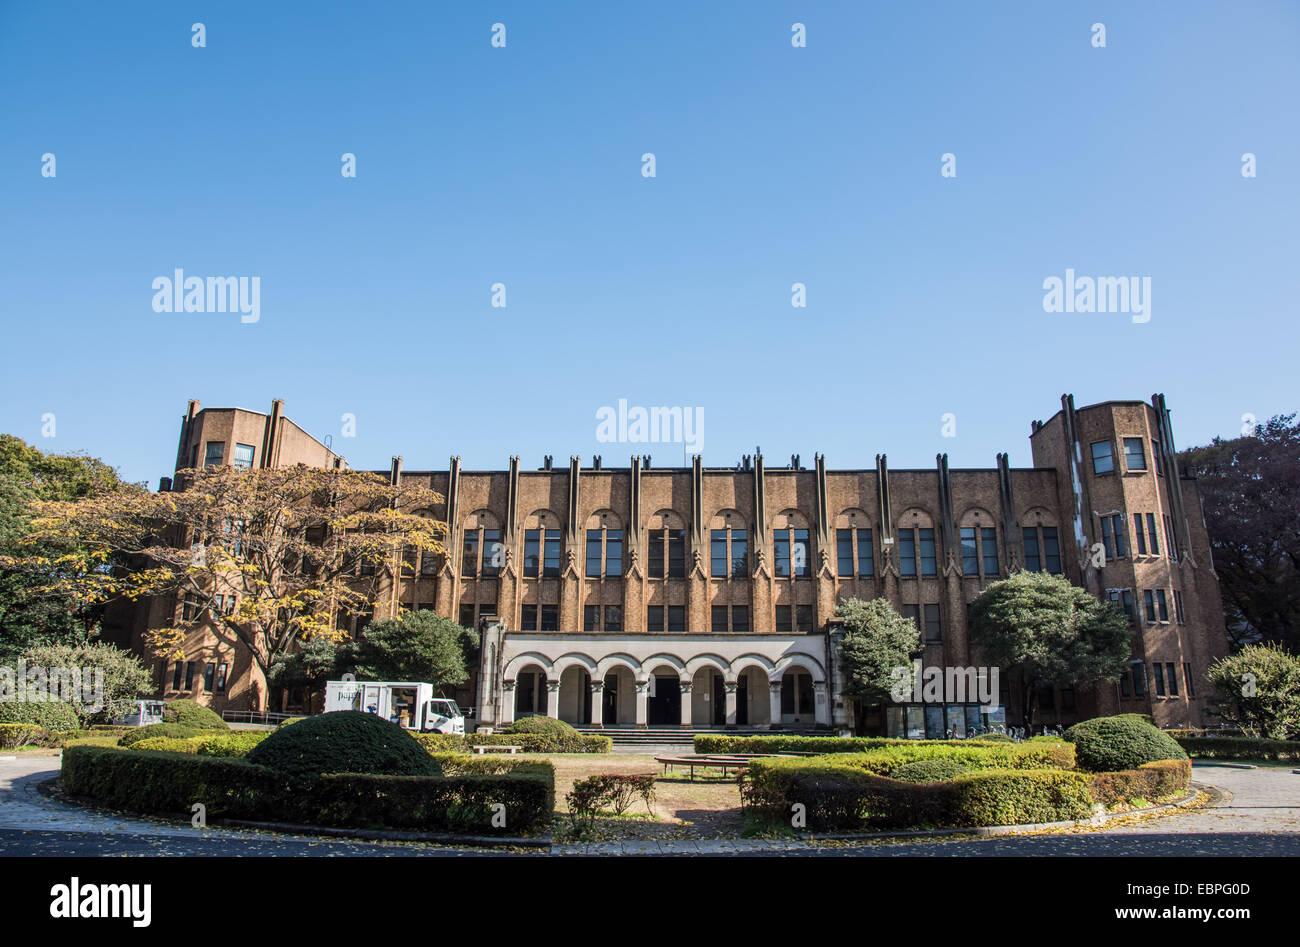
pixel 143 713
pixel 410 704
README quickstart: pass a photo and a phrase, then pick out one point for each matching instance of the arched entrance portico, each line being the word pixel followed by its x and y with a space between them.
pixel 531 692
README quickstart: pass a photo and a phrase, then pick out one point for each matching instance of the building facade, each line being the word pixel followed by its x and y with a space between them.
pixel 705 596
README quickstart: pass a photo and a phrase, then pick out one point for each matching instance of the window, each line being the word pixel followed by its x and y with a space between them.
pixel 1178 607
pixel 1124 689
pixel 989 549
pixel 428 562
pixel 1187 677
pixel 784 618
pixel 792 554
pixel 528 617
pixel 190 608
pixel 719 618
pixel 740 618
pixel 1134 454
pixel 728 553
pixel 176 675
pixel 243 456
pixel 590 617
pixel 1137 671
pixel 1149 598
pixel 613 617
pixel 541 553
pixel 1141 537
pixel 1163 604
pixel 1052 550
pixel 1152 536
pixel 1033 562
pixel 675 614
pixel 469 554
pixel 1156 457
pixel 1171 677
pixel 465 616
pixel 933 630
pixel 913 613
pixel 804 619
pixel 1159 672
pixel 550 618
pixel 214 454
pixel 1102 461
pixel 1112 536
pixel 221 677
pixel 189 675
pixel 669 545
pixel 654 618
pixel 1169 539
pixel 866 554
pixel 928 562
pixel 209 675
pixel 844 552
pixel 604 549
pixel 907 552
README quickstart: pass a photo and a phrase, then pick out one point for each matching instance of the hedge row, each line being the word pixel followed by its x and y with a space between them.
pixel 1239 748
pixel 842 798
pixel 885 760
pixel 28 734
pixel 530 742
pixel 724 743
pixel 236 743
pixel 1148 782
pixel 171 783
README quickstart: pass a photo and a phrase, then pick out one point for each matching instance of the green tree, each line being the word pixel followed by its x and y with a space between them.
pixel 876 641
pixel 1250 492
pixel 34 607
pixel 125 678
pixel 315 662
pixel 416 646
pixel 1045 632
pixel 1259 691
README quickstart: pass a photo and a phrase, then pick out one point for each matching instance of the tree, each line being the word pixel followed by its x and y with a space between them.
pixel 33 609
pixel 125 678
pixel 1259 691
pixel 876 641
pixel 1046 632
pixel 315 662
pixel 416 646
pixel 265 558
pixel 1250 492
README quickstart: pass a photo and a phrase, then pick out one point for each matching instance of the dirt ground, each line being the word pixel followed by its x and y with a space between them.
pixel 707 807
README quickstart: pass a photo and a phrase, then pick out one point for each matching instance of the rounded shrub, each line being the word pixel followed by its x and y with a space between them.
pixel 196 716
pixel 48 714
pixel 175 731
pixel 930 771
pixel 345 741
pixel 548 726
pixel 1110 744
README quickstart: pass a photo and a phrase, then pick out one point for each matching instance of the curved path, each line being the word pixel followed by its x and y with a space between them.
pixel 1258 814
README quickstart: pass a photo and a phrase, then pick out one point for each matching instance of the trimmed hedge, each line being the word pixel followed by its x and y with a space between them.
pixel 47 714
pixel 842 798
pixel 552 726
pixel 544 742
pixel 1111 744
pixel 930 771
pixel 884 761
pixel 1150 781
pixel 174 730
pixel 196 716
pixel 717 743
pixel 1239 748
pixel 170 784
pixel 346 741
pixel 220 744
pixel 13 735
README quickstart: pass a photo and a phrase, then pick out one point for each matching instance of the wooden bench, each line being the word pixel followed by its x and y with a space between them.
pixel 496 748
pixel 705 762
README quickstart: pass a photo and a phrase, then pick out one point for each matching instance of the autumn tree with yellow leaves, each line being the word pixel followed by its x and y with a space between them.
pixel 269 558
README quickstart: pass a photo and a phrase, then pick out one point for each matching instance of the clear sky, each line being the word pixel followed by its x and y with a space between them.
pixel 523 165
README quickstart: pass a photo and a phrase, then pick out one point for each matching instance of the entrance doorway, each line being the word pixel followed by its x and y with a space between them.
pixel 609 704
pixel 742 701
pixel 719 701
pixel 664 709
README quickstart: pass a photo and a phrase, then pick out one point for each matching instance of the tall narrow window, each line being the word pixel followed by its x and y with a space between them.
pixel 844 552
pixel 654 618
pixel 781 552
pixel 1149 599
pixel 1187 678
pixel 907 552
pixel 1162 604
pixel 551 554
pixel 1152 536
pixel 718 555
pixel 656 568
pixel 176 675
pixel 492 555
pixel 590 617
pixel 989 544
pixel 866 554
pixel 804 618
pixel 676 617
pixel 243 456
pixel 1159 673
pixel 1139 677
pixel 532 552
pixel 1169 539
pixel 1178 607
pixel 1051 550
pixel 784 618
pixel 1141 536
pixel 528 617
pixel 1033 561
pixel 719 613
pixel 593 553
pixel 550 618
pixel 221 678
pixel 1112 536
pixel 613 617
pixel 739 553
pixel 933 628
pixel 791 553
pixel 1171 677
pixel 209 676
pixel 613 552
pixel 740 618
pixel 677 554
pixel 970 559
pixel 469 553
pixel 1157 457
pixel 214 453
pixel 928 561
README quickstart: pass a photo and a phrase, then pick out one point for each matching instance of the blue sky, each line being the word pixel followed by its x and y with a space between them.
pixel 522 165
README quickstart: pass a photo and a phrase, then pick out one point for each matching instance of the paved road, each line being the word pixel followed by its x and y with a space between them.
pixel 1259 814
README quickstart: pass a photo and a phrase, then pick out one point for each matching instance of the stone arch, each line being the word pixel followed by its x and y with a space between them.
pixel 747 659
pixel 519 661
pixel 708 660
pixel 666 519
pixel 542 519
pixel 916 517
pixel 728 519
pixel 616 660
pixel 655 661
pixel 976 516
pixel 800 660
pixel 481 519
pixel 790 519
pixel 853 517
pixel 1038 516
pixel 574 659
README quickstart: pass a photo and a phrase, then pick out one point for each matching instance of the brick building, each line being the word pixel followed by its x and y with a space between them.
pixel 704 596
